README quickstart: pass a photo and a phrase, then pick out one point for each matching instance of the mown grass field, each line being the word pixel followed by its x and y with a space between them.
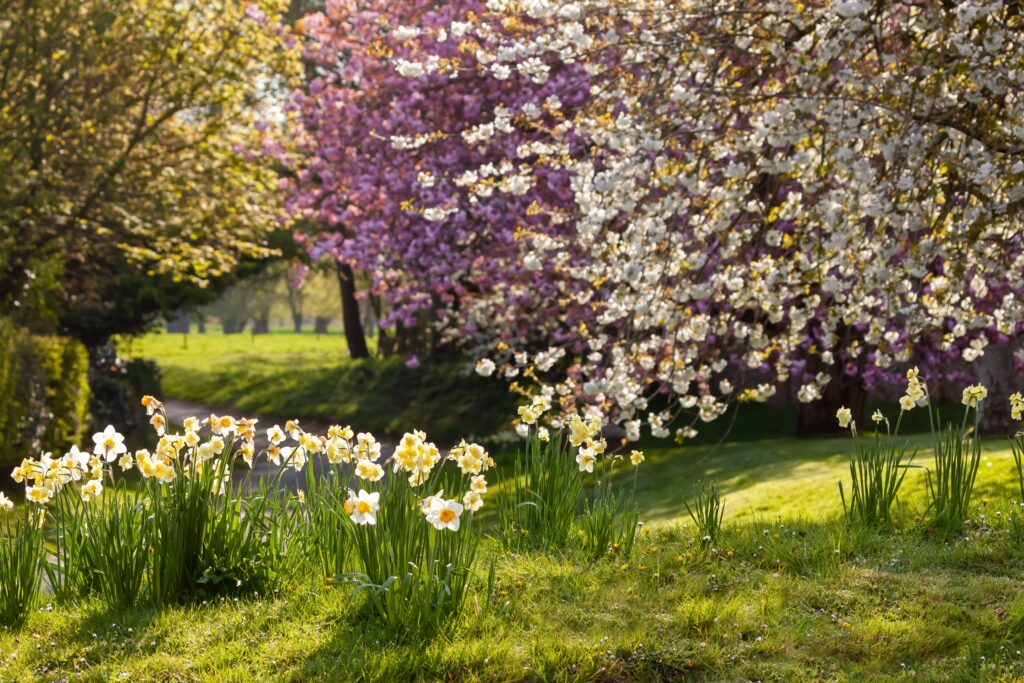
pixel 788 592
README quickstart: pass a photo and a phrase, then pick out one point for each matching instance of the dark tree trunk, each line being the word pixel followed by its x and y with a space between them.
pixel 201 323
pixel 179 324
pixel 819 417
pixel 320 324
pixel 385 341
pixel 232 325
pixel 997 372
pixel 297 322
pixel 354 334
pixel 261 325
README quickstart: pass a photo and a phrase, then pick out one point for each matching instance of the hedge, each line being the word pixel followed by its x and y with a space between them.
pixel 44 393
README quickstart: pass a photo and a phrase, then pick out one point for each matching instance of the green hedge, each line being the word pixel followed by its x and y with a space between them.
pixel 44 393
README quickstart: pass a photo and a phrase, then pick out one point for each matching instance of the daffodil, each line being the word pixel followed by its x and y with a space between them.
pixel 38 494
pixel 473 501
pixel 368 470
pixel 248 452
pixel 844 415
pixel 109 444
pixel 339 450
pixel 275 436
pixel 367 447
pixel 223 425
pixel 579 431
pixel 1016 405
pixel 164 472
pixel 92 489
pixel 586 459
pixel 159 423
pixel 636 457
pixel 364 507
pixel 6 504
pixel 444 514
pixel 473 459
pixel 151 404
pixel 24 471
pixel 527 415
pixel 339 432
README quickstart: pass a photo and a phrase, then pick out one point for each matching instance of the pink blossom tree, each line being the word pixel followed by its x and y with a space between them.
pixel 408 150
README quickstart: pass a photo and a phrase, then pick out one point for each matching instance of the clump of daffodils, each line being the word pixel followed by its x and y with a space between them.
pixel 1016 405
pixel 973 394
pixel 530 414
pixel 215 441
pixel 415 456
pixel 916 391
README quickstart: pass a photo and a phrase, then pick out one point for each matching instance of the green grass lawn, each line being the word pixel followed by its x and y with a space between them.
pixel 788 593
pixel 312 376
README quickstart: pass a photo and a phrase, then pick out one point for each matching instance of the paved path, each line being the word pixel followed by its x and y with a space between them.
pixel 177 411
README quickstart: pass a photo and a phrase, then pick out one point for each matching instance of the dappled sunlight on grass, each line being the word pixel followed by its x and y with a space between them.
pixel 789 478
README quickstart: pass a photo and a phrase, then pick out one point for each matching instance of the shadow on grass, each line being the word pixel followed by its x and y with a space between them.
pixel 372 395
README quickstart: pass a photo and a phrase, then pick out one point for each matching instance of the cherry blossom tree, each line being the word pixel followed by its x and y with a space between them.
pixel 408 169
pixel 761 191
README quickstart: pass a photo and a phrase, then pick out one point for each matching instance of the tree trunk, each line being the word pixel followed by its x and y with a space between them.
pixel 997 372
pixel 819 417
pixel 261 324
pixel 297 322
pixel 320 324
pixel 354 334
pixel 179 324
pixel 232 325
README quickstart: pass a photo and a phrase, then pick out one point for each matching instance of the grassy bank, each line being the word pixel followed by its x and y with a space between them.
pixel 774 601
pixel 312 376
pixel 787 593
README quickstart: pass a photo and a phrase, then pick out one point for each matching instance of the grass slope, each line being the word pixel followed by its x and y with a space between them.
pixel 789 593
pixel 312 376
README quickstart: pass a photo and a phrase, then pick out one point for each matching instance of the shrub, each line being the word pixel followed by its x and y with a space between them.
pixel 44 392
